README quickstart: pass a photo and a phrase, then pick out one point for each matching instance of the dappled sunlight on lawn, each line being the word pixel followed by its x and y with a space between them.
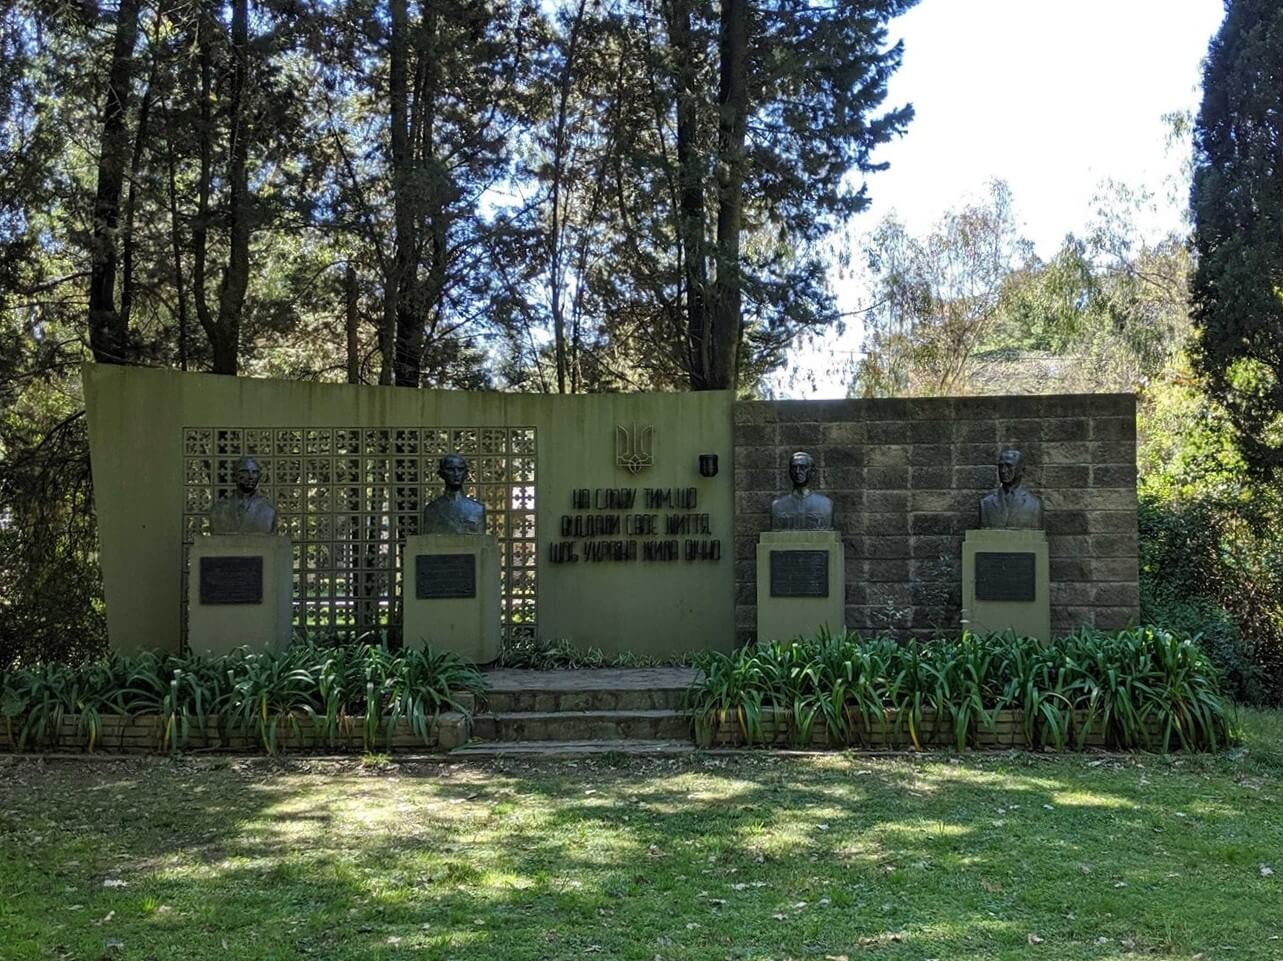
pixel 750 856
pixel 1090 799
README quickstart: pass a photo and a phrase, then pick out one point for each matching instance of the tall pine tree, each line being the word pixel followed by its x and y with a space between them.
pixel 1237 201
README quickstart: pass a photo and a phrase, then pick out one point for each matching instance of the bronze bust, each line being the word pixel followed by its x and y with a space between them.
pixel 802 509
pixel 246 511
pixel 453 512
pixel 1011 505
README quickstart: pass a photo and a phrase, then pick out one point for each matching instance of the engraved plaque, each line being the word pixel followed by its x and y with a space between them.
pixel 445 575
pixel 231 580
pixel 799 573
pixel 1007 576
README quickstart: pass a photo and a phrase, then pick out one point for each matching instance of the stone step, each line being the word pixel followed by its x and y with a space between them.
pixel 645 725
pixel 488 749
pixel 646 689
pixel 552 701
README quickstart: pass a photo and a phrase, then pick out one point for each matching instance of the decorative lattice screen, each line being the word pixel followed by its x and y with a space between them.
pixel 349 496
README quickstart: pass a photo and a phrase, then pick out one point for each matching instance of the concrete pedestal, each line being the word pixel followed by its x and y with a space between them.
pixel 240 591
pixel 1006 582
pixel 801 584
pixel 450 594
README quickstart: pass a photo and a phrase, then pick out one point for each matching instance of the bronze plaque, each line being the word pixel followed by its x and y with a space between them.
pixel 231 580
pixel 799 573
pixel 438 576
pixel 1007 576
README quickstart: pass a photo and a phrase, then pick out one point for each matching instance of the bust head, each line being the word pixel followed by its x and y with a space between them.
pixel 1011 468
pixel 453 470
pixel 801 467
pixel 246 475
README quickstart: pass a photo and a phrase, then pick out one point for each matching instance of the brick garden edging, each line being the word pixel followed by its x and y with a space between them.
pixel 1007 731
pixel 146 735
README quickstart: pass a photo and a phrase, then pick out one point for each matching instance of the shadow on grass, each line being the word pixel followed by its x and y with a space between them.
pixel 743 856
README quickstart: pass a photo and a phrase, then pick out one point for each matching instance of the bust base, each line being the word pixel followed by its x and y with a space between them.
pixel 465 625
pixel 1023 551
pixel 214 629
pixel 803 587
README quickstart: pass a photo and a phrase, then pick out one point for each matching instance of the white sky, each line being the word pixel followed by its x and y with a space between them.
pixel 1053 97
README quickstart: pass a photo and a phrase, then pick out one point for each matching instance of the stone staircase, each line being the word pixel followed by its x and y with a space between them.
pixel 627 711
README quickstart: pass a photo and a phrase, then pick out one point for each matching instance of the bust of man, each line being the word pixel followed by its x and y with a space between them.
pixel 802 509
pixel 1011 505
pixel 246 511
pixel 453 512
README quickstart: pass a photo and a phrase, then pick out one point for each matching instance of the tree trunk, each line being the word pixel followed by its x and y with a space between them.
pixel 108 331
pixel 223 330
pixel 175 235
pixel 555 245
pixel 135 175
pixel 398 283
pixel 727 325
pixel 353 327
pixel 204 182
pixel 691 212
pixel 231 294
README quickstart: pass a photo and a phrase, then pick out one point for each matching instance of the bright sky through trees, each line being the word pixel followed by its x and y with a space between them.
pixel 1052 97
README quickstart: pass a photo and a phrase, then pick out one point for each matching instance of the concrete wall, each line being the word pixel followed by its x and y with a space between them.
pixel 136 422
pixel 906 477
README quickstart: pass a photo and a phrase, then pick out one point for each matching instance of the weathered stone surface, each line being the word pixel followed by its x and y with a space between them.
pixel 886 431
pixel 1067 522
pixel 800 435
pixel 1066 428
pixel 1114 475
pixel 905 477
pixel 1113 428
pixel 984 431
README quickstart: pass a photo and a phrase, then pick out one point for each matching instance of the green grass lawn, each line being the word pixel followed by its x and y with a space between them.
pixel 712 856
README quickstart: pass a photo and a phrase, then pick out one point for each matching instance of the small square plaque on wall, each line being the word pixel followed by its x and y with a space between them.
pixel 799 573
pixel 443 576
pixel 231 580
pixel 1005 576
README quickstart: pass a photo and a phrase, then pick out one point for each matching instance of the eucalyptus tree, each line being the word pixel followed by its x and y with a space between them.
pixel 717 145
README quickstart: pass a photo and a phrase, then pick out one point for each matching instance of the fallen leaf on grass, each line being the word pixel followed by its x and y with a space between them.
pixel 103 920
pixel 1034 939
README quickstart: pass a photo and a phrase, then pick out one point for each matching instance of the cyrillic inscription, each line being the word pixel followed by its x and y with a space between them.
pixel 438 576
pixel 799 573
pixel 1005 576
pixel 231 580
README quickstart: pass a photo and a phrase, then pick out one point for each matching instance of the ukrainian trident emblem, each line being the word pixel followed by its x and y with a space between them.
pixel 634 448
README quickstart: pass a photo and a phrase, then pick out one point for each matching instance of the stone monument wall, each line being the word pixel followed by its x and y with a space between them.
pixel 906 477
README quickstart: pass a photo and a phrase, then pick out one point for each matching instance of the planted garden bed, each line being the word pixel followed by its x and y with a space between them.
pixel 1136 689
pixel 306 698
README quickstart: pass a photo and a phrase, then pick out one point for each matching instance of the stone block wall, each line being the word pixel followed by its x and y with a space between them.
pixel 906 477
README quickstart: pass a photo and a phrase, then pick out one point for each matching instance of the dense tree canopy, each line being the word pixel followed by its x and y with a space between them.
pixel 571 196
pixel 1238 218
